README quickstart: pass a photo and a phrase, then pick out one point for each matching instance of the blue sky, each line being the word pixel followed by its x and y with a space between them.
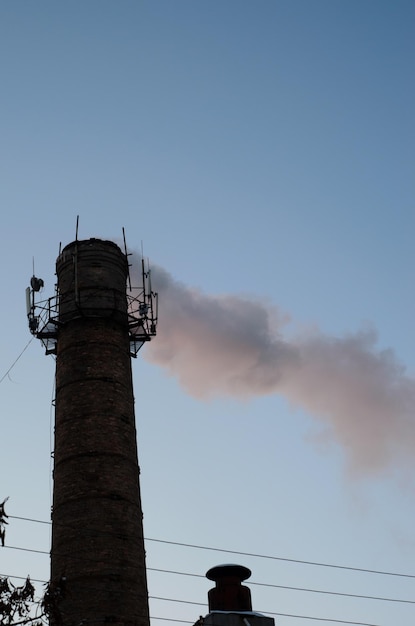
pixel 261 151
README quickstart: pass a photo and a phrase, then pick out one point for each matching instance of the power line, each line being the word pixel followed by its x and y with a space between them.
pixel 323 619
pixel 280 558
pixel 310 617
pixel 30 519
pixel 258 584
pixel 205 604
pixel 27 550
pixel 67 555
pixel 33 580
pixel 29 619
pixel 273 586
pixel 239 553
pixel 342 594
pixel 336 593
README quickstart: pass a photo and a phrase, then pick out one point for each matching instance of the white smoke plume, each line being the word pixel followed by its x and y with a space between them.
pixel 228 345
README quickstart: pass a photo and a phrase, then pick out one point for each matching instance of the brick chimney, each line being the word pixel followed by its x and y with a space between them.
pixel 230 601
pixel 98 569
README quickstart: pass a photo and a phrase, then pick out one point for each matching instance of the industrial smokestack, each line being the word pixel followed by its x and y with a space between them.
pixel 98 569
pixel 230 601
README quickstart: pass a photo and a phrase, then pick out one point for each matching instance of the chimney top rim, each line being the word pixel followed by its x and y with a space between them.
pixel 90 242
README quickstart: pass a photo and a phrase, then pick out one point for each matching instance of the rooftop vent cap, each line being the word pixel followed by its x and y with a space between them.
pixel 228 570
pixel 229 594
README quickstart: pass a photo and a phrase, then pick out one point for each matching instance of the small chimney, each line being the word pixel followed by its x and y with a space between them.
pixel 230 601
pixel 229 594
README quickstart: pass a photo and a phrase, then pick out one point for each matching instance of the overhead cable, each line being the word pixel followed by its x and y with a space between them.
pixel 273 586
pixel 249 554
pixel 14 362
pixel 280 558
pixel 310 617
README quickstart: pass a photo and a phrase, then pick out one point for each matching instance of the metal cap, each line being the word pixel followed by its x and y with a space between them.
pixel 230 569
pixel 229 594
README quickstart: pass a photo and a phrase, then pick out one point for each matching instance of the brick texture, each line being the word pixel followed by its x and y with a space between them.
pixel 97 531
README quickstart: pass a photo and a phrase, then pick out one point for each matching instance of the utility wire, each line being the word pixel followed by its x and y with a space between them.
pixel 250 554
pixel 262 584
pixel 204 604
pixel 309 617
pixel 273 586
pixel 29 619
pixel 323 619
pixel 33 580
pixel 331 593
pixel 318 619
pixel 280 558
pixel 14 363
pixel 26 549
pixel 30 519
